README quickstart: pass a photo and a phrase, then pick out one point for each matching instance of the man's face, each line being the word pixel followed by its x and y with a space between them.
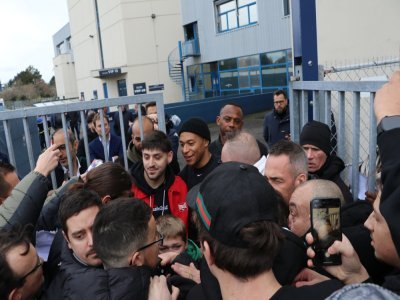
pixel 151 253
pixel 194 149
pixel 280 175
pixel 97 126
pixel 315 156
pixel 175 244
pixel 155 163
pixel 151 110
pixel 59 140
pixel 299 211
pixel 230 120
pixel 381 237
pixel 136 139
pixel 79 235
pixel 22 265
pixel 280 103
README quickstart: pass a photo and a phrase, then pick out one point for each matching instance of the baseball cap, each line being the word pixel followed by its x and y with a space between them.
pixel 231 197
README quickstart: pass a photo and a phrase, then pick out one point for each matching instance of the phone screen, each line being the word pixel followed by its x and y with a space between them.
pixel 326 228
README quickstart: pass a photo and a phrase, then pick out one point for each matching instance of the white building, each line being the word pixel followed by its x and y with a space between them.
pixel 119 48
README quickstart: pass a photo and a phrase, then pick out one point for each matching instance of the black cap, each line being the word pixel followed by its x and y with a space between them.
pixel 231 197
pixel 196 126
pixel 317 134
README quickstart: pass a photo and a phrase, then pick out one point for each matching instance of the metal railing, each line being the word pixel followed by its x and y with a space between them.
pixel 23 114
pixel 327 97
pixel 191 48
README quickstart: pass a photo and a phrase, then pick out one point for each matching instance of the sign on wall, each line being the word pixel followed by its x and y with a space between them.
pixel 156 87
pixel 139 88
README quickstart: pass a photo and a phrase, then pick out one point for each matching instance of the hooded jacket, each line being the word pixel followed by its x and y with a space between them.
pixel 173 192
pixel 331 171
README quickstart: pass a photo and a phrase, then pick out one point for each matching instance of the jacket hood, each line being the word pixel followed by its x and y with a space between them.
pixel 138 173
pixel 332 168
pixel 132 154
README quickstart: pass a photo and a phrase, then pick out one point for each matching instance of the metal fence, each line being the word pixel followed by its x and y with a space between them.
pixel 9 117
pixel 351 103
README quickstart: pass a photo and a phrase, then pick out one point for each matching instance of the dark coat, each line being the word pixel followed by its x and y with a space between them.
pixel 97 151
pixel 276 127
pixel 77 281
pixel 331 171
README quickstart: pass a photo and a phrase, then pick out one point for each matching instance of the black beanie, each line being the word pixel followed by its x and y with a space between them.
pixel 196 126
pixel 317 134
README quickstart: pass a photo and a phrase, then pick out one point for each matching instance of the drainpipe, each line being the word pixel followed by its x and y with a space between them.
pixel 99 34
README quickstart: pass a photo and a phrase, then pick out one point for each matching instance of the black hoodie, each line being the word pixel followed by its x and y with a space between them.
pixel 158 196
pixel 331 171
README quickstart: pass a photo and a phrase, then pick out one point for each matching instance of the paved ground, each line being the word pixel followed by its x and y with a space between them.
pixel 252 123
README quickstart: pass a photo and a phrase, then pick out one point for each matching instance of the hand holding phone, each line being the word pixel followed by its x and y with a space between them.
pixel 326 229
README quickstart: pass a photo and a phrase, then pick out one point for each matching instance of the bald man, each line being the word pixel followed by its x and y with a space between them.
pixel 243 148
pixel 299 204
pixel 134 151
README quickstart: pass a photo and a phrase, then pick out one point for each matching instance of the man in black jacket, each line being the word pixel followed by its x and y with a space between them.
pixel 315 138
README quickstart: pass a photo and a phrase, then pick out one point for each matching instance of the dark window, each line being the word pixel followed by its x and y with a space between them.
pixel 122 88
pixel 286 7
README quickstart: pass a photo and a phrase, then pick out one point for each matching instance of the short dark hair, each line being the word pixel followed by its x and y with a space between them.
pixel 108 179
pixel 295 152
pixel 232 104
pixel 5 168
pixel 157 140
pixel 73 202
pixel 264 240
pixel 120 228
pixel 280 92
pixel 150 104
pixel 10 239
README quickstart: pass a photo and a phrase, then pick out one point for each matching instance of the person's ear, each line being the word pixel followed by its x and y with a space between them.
pixel 15 294
pixel 136 259
pixel 207 254
pixel 170 156
pixel 106 199
pixel 218 120
pixel 75 145
pixel 66 238
pixel 300 179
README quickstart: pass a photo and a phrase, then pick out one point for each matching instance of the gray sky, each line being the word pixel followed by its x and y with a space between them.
pixel 26 32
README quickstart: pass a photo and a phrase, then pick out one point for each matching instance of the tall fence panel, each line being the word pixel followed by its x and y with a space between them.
pixel 333 102
pixel 22 118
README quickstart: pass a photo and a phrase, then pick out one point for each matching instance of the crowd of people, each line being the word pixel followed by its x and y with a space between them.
pixel 232 223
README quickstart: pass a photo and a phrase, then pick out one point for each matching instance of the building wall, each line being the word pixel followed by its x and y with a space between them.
pixel 132 40
pixel 64 73
pixel 357 30
pixel 272 32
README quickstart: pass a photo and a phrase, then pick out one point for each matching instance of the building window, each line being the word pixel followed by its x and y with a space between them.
pixel 233 14
pixel 286 8
pixel 122 88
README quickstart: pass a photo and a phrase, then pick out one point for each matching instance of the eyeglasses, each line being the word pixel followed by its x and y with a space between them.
pixel 36 267
pixel 159 240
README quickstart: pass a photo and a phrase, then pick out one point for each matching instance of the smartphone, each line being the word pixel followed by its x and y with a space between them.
pixel 326 229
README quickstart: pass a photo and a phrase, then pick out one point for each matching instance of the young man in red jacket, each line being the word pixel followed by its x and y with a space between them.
pixel 155 182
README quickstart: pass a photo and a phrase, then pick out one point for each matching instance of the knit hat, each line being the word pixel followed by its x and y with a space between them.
pixel 231 197
pixel 196 126
pixel 317 134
